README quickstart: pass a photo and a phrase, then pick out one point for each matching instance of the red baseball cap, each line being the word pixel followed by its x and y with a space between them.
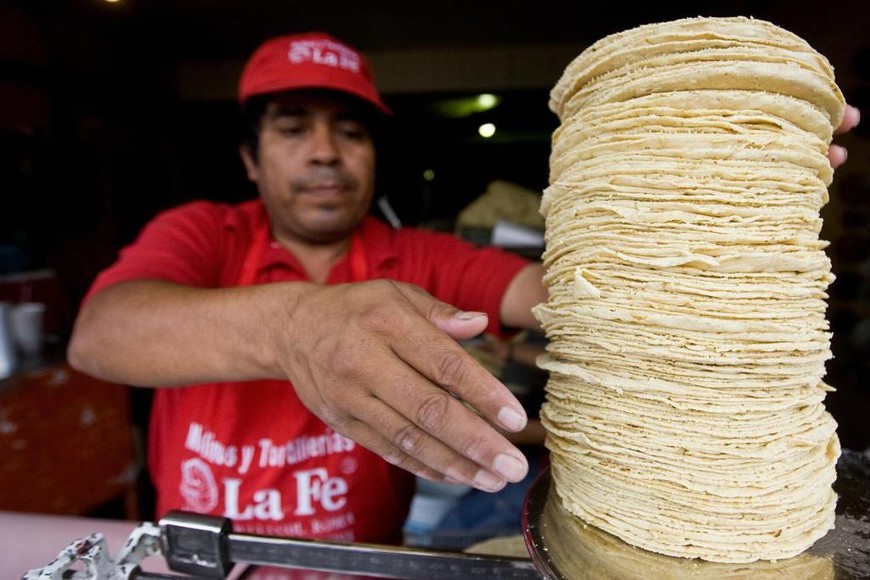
pixel 312 60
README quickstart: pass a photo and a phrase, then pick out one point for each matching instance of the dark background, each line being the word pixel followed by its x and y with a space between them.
pixel 111 112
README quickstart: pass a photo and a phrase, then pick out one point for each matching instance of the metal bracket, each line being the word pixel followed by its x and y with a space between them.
pixel 197 544
pixel 92 552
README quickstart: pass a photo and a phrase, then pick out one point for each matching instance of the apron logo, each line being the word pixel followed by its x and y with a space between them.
pixel 315 490
pixel 198 486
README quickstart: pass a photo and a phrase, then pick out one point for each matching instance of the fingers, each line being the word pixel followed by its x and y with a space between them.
pixel 406 444
pixel 445 434
pixel 440 429
pixel 362 432
pixel 450 367
pixel 851 118
pixel 837 154
pixel 431 424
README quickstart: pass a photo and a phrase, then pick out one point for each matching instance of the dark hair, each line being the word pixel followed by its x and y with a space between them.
pixel 251 119
pixel 254 109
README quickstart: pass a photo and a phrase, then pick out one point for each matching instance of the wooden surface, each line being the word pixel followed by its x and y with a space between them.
pixel 66 443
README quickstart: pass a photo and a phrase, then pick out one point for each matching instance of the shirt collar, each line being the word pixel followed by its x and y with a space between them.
pixel 377 240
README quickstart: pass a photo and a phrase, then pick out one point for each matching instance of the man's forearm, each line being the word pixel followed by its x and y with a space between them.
pixel 150 333
pixel 524 292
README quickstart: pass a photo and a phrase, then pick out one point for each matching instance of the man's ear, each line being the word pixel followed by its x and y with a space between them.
pixel 249 161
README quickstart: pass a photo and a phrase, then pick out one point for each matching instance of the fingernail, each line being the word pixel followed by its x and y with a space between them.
pixel 486 481
pixel 511 419
pixel 510 467
pixel 465 315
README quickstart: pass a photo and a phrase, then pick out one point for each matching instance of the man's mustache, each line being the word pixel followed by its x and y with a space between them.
pixel 321 177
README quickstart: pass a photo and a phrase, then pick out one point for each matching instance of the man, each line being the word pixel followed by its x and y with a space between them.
pixel 231 302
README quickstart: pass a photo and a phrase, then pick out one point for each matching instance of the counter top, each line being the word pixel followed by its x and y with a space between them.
pixel 29 541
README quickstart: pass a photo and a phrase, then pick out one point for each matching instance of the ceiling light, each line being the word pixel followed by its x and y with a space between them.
pixel 466 106
pixel 486 130
pixel 486 101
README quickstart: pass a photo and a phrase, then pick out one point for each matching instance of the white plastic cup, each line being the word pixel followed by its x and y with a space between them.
pixel 26 320
pixel 8 359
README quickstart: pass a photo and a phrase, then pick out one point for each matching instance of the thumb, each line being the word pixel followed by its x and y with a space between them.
pixel 456 323
pixel 460 324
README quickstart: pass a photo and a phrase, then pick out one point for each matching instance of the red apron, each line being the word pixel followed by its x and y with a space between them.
pixel 253 452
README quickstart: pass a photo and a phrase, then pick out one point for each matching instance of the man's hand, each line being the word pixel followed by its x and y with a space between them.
pixel 379 362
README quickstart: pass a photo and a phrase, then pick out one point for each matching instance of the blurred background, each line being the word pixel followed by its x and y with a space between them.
pixel 113 111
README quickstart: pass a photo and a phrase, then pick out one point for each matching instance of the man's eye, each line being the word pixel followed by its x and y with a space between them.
pixel 286 129
pixel 353 131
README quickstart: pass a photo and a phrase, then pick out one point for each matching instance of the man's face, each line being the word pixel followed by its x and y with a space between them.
pixel 315 166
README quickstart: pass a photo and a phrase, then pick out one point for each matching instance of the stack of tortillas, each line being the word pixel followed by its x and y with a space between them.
pixel 687 289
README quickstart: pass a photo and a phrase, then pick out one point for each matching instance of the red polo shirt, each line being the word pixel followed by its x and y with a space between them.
pixel 252 451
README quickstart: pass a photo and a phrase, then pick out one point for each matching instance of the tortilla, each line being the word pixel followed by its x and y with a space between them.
pixel 687 290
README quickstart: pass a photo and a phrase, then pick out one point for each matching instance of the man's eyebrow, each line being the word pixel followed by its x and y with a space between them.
pixel 350 115
pixel 289 111
pixel 296 110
